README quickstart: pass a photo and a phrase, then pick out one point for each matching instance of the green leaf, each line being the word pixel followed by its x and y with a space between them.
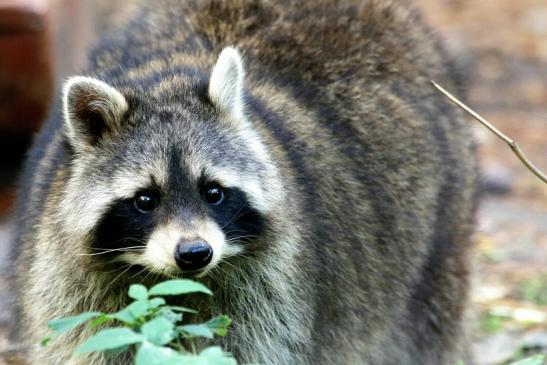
pixel 534 360
pixel 139 308
pixel 109 339
pixel 63 325
pixel 159 331
pixel 219 325
pixel 103 318
pixel 216 356
pixel 176 308
pixel 116 351
pixel 138 292
pixel 177 287
pixel 149 354
pixel 195 360
pixel 170 315
pixel 156 302
pixel 198 330
pixel 45 341
pixel 124 316
pixel 135 310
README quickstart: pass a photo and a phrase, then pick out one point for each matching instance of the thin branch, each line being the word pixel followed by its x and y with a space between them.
pixel 511 143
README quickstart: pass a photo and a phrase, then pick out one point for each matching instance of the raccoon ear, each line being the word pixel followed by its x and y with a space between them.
pixel 226 83
pixel 92 110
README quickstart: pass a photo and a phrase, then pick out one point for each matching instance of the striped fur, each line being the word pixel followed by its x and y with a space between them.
pixel 356 180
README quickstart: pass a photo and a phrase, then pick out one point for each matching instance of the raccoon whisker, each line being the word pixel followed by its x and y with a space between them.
pixel 242 235
pixel 93 266
pixel 107 252
pixel 237 239
pixel 168 274
pixel 112 250
pixel 142 244
pixel 244 238
pixel 138 273
pixel 149 273
pixel 239 232
pixel 236 231
pixel 133 239
pixel 227 234
pixel 127 268
pixel 123 267
pixel 240 241
pixel 116 270
pixel 229 264
pixel 234 217
pixel 130 239
pixel 212 271
pixel 129 249
pixel 227 256
pixel 246 257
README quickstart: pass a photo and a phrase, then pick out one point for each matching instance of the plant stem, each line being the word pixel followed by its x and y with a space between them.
pixel 511 143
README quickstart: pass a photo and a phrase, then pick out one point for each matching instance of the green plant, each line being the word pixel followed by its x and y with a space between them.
pixel 534 360
pixel 153 327
pixel 491 323
pixel 535 290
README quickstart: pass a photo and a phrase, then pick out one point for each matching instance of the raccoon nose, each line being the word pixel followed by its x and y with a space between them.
pixel 191 256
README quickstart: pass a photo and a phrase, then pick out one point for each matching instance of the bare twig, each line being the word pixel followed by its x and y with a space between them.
pixel 511 143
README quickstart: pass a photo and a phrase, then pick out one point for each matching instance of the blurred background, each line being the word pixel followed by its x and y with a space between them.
pixel 499 45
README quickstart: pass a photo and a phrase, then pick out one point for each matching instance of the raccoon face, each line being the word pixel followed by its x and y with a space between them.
pixel 173 182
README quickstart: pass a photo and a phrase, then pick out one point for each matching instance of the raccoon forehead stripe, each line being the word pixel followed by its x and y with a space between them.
pixel 127 183
pixel 82 212
pixel 128 186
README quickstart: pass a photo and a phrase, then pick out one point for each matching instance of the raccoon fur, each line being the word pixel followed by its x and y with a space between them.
pixel 292 155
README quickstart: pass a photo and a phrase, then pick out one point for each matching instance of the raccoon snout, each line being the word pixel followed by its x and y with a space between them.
pixel 191 256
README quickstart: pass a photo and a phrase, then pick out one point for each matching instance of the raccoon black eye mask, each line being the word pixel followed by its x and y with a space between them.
pixel 237 217
pixel 290 154
pixel 128 223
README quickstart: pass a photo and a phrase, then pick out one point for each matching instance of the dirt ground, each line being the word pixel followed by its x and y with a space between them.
pixel 501 49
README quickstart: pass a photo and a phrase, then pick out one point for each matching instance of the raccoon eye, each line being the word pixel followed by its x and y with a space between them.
pixel 213 194
pixel 144 203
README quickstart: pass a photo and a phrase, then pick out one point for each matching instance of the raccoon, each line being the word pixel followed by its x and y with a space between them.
pixel 291 155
